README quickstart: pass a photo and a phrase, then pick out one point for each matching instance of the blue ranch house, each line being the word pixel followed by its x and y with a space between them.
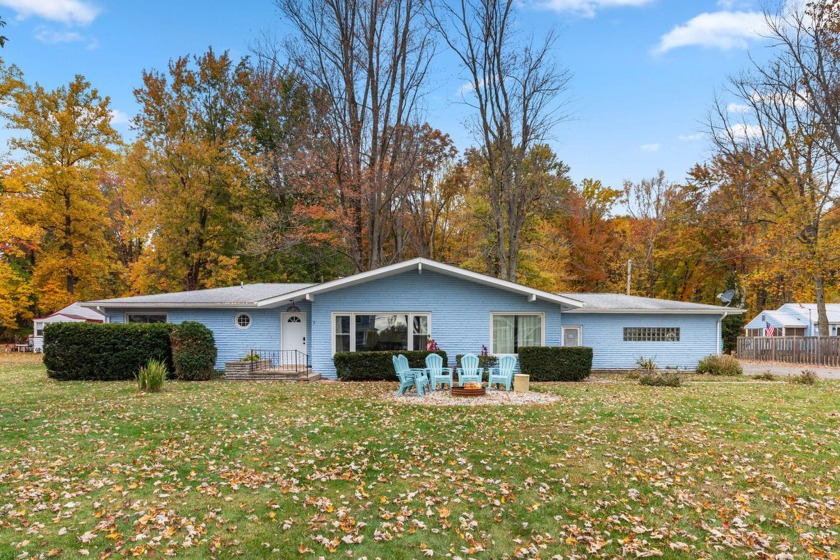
pixel 402 306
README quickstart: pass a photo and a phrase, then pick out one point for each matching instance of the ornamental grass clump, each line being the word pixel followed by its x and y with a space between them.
pixel 650 375
pixel 661 379
pixel 807 377
pixel 720 365
pixel 150 377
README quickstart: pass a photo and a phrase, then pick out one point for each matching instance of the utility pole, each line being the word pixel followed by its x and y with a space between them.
pixel 629 274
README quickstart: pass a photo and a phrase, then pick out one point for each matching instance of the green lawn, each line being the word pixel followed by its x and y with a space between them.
pixel 718 470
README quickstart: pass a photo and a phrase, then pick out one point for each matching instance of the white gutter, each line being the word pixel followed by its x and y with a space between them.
pixel 625 310
pixel 164 304
pixel 720 333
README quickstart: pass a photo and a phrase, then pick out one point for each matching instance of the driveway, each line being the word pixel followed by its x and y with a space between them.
pixel 752 368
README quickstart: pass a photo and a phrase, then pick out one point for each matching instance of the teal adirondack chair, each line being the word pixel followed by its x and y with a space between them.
pixel 503 374
pixel 469 372
pixel 436 372
pixel 409 377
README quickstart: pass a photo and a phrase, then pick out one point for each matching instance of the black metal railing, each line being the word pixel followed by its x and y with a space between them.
pixel 284 361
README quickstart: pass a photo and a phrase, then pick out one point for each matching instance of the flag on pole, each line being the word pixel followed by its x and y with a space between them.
pixel 769 330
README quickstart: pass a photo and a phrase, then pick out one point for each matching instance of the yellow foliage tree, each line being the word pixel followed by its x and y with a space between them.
pixel 187 174
pixel 52 194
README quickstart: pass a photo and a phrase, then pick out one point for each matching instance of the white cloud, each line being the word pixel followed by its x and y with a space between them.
pixel 587 8
pixel 744 131
pixel 691 137
pixel 650 148
pixel 721 30
pixel 738 108
pixel 80 12
pixel 54 37
pixel 729 5
pixel 119 117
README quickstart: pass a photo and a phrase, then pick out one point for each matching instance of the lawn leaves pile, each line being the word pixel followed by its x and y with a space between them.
pixel 272 470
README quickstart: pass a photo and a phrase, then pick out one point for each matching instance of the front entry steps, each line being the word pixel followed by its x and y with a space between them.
pixel 273 374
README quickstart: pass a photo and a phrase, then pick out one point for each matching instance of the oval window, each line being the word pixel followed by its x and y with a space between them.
pixel 243 320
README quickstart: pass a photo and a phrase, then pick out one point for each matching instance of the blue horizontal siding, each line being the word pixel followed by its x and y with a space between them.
pixel 604 333
pixel 460 311
pixel 232 343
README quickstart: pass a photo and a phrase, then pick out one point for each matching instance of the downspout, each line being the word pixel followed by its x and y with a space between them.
pixel 720 333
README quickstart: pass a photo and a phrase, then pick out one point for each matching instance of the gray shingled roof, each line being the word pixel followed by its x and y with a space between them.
pixel 76 310
pixel 232 295
pixel 593 301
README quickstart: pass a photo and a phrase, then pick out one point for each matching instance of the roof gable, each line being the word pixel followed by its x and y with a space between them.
pixel 77 311
pixel 808 311
pixel 421 264
pixel 776 318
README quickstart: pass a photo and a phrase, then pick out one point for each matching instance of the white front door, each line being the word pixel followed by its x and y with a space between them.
pixel 292 335
pixel 571 336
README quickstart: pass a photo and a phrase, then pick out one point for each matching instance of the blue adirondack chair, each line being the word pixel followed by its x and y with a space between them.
pixel 469 372
pixel 436 372
pixel 503 374
pixel 409 377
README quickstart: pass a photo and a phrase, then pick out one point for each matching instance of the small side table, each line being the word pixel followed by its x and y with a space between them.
pixel 521 383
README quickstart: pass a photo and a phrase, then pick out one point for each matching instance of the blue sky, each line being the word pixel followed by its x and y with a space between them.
pixel 645 72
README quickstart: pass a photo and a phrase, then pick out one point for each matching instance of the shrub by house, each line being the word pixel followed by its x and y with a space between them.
pixel 106 352
pixel 545 363
pixel 193 351
pixel 376 366
pixel 720 365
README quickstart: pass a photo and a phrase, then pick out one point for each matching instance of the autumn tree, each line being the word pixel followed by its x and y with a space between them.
pixel 53 192
pixel 514 89
pixel 647 202
pixel 187 173
pixel 586 223
pixel 368 60
pixel 422 221
pixel 790 124
pixel 295 232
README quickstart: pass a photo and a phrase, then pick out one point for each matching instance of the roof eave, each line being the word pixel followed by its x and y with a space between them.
pixel 659 311
pixel 160 305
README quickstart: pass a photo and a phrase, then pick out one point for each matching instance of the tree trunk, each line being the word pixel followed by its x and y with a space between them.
pixel 68 245
pixel 822 315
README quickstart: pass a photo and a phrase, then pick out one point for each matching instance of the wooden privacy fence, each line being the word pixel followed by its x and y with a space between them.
pixel 815 350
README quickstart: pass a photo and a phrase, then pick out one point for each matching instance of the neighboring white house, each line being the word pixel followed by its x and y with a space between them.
pixel 73 313
pixel 794 319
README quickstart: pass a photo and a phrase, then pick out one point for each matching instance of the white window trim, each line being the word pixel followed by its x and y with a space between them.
pixel 563 334
pixel 352 314
pixel 236 320
pixel 127 313
pixel 540 314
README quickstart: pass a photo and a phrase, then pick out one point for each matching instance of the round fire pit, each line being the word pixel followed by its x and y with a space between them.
pixel 468 391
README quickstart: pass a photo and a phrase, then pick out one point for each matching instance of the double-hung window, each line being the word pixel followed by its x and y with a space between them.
pixel 359 332
pixel 511 331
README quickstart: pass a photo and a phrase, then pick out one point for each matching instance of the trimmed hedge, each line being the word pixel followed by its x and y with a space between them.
pixel 193 351
pixel 104 351
pixel 377 366
pixel 545 363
